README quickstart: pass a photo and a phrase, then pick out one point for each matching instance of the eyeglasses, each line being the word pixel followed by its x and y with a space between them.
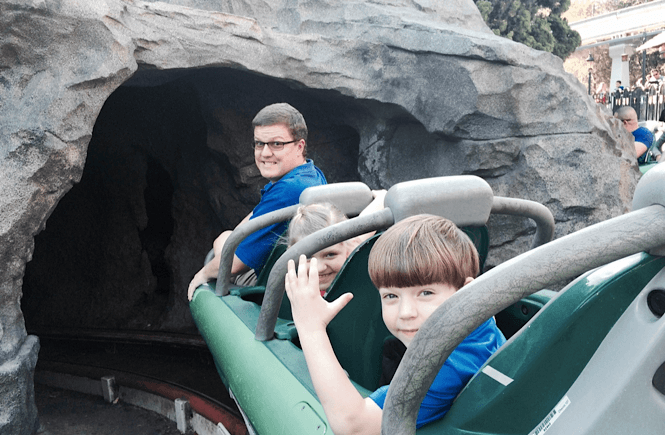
pixel 628 120
pixel 274 146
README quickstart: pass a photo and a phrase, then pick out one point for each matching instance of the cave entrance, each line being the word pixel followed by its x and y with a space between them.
pixel 169 166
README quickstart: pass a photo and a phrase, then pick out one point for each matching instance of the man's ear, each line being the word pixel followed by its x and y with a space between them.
pixel 467 280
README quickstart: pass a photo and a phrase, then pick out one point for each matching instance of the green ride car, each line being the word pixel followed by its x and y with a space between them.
pixel 587 359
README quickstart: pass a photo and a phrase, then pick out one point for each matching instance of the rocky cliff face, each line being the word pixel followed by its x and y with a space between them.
pixel 148 105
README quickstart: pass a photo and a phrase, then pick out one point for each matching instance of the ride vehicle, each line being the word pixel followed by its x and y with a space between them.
pixel 590 361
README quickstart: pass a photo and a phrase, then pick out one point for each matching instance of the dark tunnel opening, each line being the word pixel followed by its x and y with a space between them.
pixel 168 168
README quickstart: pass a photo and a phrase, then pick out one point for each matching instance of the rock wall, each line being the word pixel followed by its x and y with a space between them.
pixel 161 95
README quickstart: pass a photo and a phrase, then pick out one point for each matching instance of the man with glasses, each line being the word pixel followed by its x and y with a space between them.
pixel 655 78
pixel 280 153
pixel 642 135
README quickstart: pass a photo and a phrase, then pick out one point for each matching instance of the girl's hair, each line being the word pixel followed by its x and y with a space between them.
pixel 422 250
pixel 312 218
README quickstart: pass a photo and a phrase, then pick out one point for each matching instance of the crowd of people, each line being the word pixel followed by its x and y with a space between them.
pixel 653 81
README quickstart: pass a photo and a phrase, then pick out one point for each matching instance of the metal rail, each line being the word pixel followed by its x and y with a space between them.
pixel 265 328
pixel 535 211
pixel 180 401
pixel 237 236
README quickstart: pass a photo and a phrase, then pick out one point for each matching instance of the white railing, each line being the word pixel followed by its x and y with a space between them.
pixel 623 22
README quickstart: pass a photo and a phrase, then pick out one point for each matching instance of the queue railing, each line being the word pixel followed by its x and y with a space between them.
pixel 649 103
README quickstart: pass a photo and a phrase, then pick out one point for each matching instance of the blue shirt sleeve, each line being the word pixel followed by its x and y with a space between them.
pixel 438 400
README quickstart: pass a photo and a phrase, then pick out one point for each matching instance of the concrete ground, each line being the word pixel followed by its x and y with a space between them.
pixel 63 412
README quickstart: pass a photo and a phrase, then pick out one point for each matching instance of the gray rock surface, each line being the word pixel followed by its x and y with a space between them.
pixel 392 90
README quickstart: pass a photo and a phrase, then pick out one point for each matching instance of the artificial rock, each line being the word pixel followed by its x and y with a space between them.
pixel 147 106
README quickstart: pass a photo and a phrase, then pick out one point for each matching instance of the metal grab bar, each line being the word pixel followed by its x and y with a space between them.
pixel 238 235
pixel 272 300
pixel 531 209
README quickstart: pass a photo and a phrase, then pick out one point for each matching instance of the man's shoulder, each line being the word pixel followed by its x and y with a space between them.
pixel 288 188
pixel 306 175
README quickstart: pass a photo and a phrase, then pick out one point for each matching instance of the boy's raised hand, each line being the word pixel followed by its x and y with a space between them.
pixel 310 311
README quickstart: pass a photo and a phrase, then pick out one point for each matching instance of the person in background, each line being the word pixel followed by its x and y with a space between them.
pixel 639 84
pixel 643 138
pixel 280 154
pixel 654 79
pixel 601 93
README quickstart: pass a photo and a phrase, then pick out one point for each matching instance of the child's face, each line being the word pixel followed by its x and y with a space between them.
pixel 330 261
pixel 405 309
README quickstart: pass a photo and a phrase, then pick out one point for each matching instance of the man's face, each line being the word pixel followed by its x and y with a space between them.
pixel 655 74
pixel 630 121
pixel 274 164
pixel 618 84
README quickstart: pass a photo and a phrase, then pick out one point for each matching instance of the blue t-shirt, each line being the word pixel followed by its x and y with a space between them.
pixel 255 249
pixel 464 362
pixel 645 136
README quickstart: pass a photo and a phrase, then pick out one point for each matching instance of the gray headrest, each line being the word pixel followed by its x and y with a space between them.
pixel 351 198
pixel 650 189
pixel 464 199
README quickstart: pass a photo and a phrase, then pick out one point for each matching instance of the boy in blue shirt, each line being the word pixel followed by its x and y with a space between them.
pixel 416 265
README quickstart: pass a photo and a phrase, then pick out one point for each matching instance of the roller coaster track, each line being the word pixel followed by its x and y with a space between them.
pixel 171 374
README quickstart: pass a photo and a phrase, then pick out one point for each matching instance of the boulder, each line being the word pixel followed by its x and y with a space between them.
pixel 147 106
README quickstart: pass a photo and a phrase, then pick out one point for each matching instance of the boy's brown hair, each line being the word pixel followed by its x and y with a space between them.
pixel 422 250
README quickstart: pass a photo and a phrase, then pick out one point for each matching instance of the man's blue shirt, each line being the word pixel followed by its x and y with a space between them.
pixel 645 136
pixel 255 249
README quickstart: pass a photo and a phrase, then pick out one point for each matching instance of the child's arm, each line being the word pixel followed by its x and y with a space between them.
pixel 347 411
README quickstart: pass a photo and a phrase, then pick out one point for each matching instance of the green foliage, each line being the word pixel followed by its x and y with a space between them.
pixel 536 23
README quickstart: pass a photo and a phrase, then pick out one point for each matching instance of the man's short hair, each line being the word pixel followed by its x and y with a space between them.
pixel 283 113
pixel 625 112
pixel 423 250
pixel 619 81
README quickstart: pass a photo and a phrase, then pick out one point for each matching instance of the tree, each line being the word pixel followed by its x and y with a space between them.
pixel 536 23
